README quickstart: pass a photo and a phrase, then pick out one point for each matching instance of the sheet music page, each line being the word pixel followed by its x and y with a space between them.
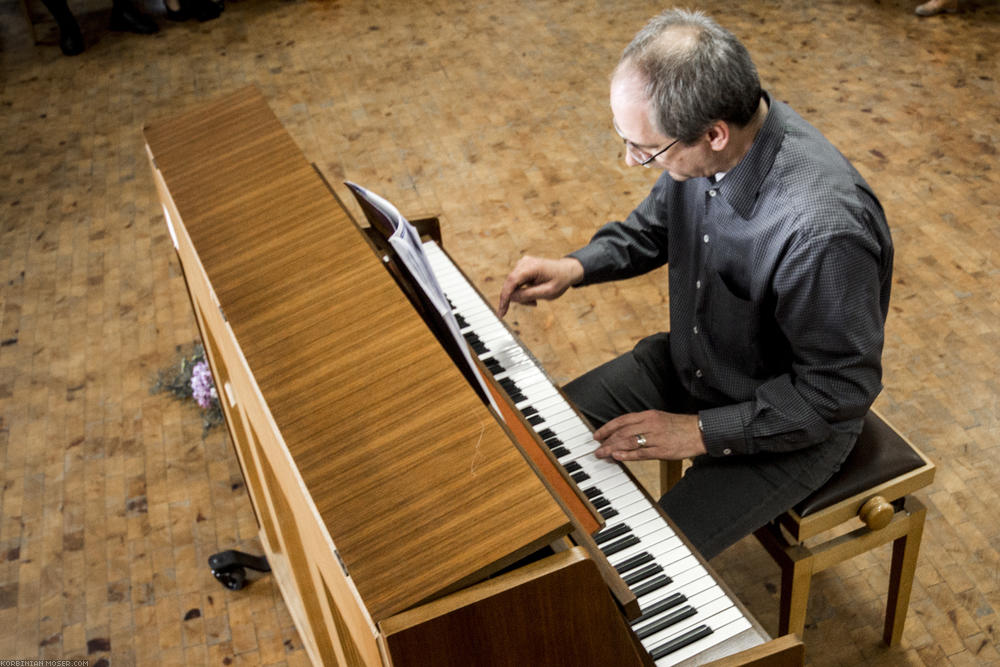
pixel 405 240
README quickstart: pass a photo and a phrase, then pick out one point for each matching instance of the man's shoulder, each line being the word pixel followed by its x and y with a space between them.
pixel 806 152
pixel 813 187
pixel 811 169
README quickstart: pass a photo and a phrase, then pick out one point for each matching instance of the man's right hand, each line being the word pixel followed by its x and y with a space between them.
pixel 536 278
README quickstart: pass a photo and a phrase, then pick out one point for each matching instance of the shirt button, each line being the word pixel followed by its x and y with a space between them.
pixel 698 373
pixel 713 192
pixel 696 330
pixel 705 238
pixel 727 451
pixel 697 284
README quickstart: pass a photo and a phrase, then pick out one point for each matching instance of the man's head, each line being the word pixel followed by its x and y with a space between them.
pixel 682 78
pixel 695 72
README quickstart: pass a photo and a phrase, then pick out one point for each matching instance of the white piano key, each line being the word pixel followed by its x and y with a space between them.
pixel 725 625
pixel 705 608
pixel 602 469
pixel 705 601
pixel 690 583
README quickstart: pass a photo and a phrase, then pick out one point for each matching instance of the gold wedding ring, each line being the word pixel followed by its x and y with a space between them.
pixel 640 440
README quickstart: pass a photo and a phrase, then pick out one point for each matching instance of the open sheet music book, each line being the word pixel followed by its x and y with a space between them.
pixel 405 242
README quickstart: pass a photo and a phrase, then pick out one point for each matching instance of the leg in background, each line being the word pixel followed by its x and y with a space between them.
pixel 70 37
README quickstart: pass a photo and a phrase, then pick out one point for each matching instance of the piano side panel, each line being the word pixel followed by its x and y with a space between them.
pixel 327 611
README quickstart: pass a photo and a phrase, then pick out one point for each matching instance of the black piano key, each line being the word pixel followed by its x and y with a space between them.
pixel 633 562
pixel 592 492
pixel 546 433
pixel 552 442
pixel 572 466
pixel 644 573
pixel 600 502
pixel 608 512
pixel 680 642
pixel 529 411
pixel 623 543
pixel 535 420
pixel 580 476
pixel 651 585
pixel 669 602
pixel 518 397
pixel 611 533
pixel 462 323
pixel 508 384
pixel 665 622
pixel 560 452
pixel 492 365
pixel 476 344
pixel 516 391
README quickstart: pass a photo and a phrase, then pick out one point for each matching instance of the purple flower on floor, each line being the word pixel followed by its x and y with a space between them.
pixel 190 377
pixel 202 386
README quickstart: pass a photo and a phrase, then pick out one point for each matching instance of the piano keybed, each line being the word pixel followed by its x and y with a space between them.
pixel 684 611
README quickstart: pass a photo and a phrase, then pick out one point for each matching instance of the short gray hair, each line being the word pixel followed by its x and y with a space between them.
pixel 696 73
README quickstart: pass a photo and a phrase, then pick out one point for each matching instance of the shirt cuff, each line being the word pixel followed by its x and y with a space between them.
pixel 722 431
pixel 590 257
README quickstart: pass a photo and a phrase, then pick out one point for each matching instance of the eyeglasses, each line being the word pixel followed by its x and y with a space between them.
pixel 642 157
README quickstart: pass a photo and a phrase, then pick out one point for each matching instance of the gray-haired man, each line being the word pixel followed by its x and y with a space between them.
pixel 779 262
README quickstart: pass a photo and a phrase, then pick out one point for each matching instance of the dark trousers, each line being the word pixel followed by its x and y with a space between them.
pixel 718 501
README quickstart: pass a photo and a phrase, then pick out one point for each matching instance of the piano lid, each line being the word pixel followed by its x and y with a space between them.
pixel 419 487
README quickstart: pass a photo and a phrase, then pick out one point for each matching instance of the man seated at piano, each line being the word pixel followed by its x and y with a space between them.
pixel 779 264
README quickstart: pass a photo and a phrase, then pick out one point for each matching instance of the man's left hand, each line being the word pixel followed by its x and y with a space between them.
pixel 664 435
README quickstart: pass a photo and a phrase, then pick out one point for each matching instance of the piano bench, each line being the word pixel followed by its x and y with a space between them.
pixel 874 486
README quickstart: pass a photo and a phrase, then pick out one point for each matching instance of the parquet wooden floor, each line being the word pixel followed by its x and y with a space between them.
pixel 495 116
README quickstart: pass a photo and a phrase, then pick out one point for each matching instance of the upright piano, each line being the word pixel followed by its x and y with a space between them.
pixel 407 520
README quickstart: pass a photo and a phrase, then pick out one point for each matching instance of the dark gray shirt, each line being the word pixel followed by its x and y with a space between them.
pixel 779 280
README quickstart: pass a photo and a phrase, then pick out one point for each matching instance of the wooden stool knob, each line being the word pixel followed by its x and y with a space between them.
pixel 876 513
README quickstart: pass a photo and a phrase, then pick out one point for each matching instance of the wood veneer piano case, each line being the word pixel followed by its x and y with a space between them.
pixel 353 467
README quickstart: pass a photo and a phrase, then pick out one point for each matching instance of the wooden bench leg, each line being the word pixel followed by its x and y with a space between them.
pixel 797 565
pixel 796 576
pixel 904 564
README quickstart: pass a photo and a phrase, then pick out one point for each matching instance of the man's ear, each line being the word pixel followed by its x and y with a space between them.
pixel 718 135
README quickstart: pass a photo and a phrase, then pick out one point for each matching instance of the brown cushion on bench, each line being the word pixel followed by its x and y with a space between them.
pixel 879 455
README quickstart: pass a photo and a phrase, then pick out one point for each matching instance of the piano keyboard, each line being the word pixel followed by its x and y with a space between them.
pixel 684 610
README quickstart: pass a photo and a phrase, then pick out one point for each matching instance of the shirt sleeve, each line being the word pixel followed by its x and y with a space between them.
pixel 629 248
pixel 828 295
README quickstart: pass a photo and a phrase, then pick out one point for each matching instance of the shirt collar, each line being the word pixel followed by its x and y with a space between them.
pixel 742 183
